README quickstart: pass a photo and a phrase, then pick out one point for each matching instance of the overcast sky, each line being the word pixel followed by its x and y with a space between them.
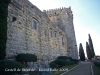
pixel 86 18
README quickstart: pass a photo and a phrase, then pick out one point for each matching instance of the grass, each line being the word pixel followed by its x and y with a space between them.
pixel 96 70
pixel 65 69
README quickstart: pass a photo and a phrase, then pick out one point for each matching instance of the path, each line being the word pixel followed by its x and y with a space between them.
pixel 84 68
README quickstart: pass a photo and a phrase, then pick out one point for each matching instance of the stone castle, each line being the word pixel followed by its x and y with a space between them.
pixel 47 34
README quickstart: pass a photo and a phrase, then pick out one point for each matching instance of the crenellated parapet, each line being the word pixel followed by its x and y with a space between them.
pixel 57 11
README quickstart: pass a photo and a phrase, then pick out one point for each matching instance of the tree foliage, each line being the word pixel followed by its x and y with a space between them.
pixel 81 53
pixel 97 64
pixel 91 47
pixel 53 65
pixel 88 51
pixel 3 27
pixel 60 62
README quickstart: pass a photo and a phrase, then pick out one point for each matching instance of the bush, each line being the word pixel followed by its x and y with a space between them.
pixel 75 61
pixel 68 62
pixel 53 65
pixel 60 62
pixel 97 64
pixel 26 58
pixel 71 62
pixel 10 64
pixel 70 58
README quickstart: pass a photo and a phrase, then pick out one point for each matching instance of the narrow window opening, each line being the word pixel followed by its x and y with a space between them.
pixel 51 33
pixel 34 24
pixel 55 34
pixel 62 40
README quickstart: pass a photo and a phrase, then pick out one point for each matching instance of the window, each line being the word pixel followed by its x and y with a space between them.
pixel 75 45
pixel 51 33
pixel 62 40
pixel 34 25
pixel 14 18
pixel 45 32
pixel 55 34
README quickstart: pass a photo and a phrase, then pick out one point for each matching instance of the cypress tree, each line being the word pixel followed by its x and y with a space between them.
pixel 3 27
pixel 81 53
pixel 88 51
pixel 91 47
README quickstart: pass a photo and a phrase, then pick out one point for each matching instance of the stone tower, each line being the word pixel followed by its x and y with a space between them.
pixel 63 18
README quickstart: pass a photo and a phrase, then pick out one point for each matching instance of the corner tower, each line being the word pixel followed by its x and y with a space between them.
pixel 63 18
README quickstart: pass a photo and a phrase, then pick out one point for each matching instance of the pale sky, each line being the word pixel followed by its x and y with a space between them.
pixel 86 18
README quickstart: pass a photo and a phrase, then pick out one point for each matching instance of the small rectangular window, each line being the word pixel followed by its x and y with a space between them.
pixel 34 24
pixel 55 34
pixel 51 33
pixel 62 40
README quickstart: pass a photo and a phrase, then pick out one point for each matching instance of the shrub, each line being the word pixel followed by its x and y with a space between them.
pixel 26 58
pixel 10 64
pixel 70 58
pixel 53 65
pixel 63 57
pixel 71 62
pixel 61 62
pixel 75 61
pixel 97 64
pixel 68 62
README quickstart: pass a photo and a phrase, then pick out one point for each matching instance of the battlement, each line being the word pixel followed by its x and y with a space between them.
pixel 57 9
pixel 62 10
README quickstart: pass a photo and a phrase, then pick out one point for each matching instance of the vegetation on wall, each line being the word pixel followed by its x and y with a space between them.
pixel 3 27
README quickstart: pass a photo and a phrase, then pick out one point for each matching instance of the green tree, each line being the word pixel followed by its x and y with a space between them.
pixel 88 51
pixel 91 47
pixel 81 53
pixel 3 27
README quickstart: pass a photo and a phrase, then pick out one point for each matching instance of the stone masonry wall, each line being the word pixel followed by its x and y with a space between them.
pixel 23 38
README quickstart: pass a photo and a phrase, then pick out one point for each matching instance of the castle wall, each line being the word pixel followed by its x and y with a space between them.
pixel 23 38
pixel 63 18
